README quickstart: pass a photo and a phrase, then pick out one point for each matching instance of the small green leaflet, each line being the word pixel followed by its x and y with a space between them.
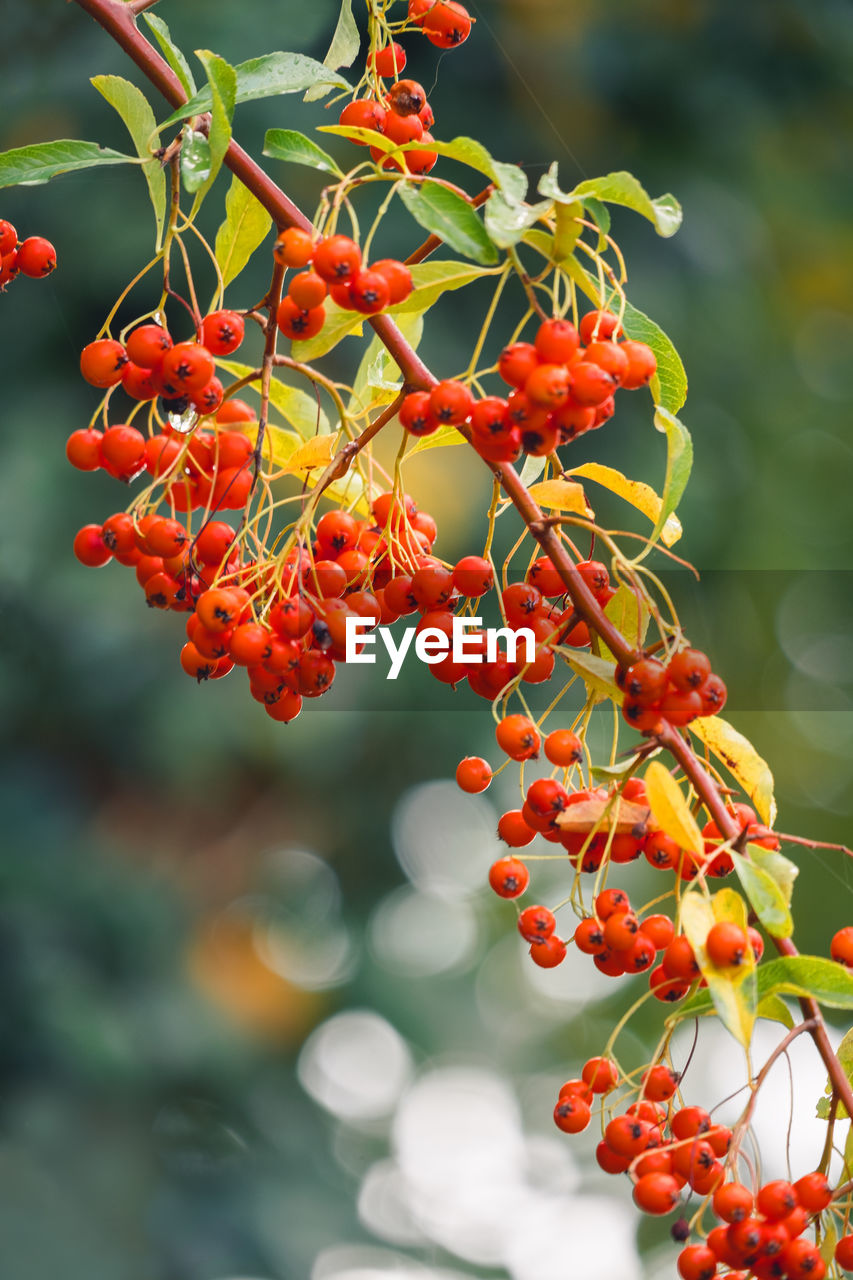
pixel 774 1009
pixel 264 77
pixel 679 462
pixel 447 215
pixel 507 220
pixel 378 373
pixel 508 178
pixel 783 871
pixel 135 110
pixel 669 384
pixel 195 160
pixel 765 897
pixel 297 407
pixel 222 81
pixel 171 52
pixel 824 980
pixel 296 148
pixel 342 51
pixel 664 212
pixel 28 166
pixel 431 279
pixel 598 674
pixel 246 224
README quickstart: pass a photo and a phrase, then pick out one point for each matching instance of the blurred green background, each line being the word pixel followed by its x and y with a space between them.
pixel 218 980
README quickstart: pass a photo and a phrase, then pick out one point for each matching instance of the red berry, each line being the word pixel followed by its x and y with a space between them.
pixel 841 947
pixel 90 548
pixel 102 361
pixel 407 98
pixel 564 748
pixel 296 324
pixel 517 363
pixel 473 576
pixel 697 1262
pixel 398 277
pixel 548 953
pixel 518 737
pixel 571 1114
pixel 611 902
pixel 601 1074
pixel 513 830
pixel 656 1193
pixel 370 292
pixel 776 1199
pixel 844 1253
pixel 336 259
pixel 535 924
pixel 509 877
pixel 8 238
pixel 451 403
pixel 733 1202
pixel 188 366
pixel 293 248
pixel 36 257
pixel 446 24
pixel 598 325
pixel 641 364
pixel 389 61
pixel 473 774
pixel 222 332
pixel 83 449
pixel 556 341
pixel 813 1192
pixel 727 946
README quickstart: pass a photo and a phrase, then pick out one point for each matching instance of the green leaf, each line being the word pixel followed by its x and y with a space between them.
pixel 629 615
pixel 508 178
pixel 669 384
pixel 378 379
pixel 765 897
pixel 431 279
pixel 443 213
pixel 532 469
pixel 246 224
pixel 774 1009
pixel 264 77
pixel 223 85
pixel 294 147
pixel 679 462
pixel 171 52
pixel 507 220
pixel 195 160
pixel 344 47
pixel 297 407
pixel 599 213
pixel 598 674
pixel 830 1234
pixel 137 114
pixel 28 166
pixel 664 212
pixel 803 976
pixel 438 440
pixel 782 870
pixel 338 325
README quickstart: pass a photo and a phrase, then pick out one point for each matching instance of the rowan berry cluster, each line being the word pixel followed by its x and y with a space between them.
pixel 560 390
pixel 35 256
pixel 401 112
pixel 666 1148
pixel 150 365
pixel 677 691
pixel 336 271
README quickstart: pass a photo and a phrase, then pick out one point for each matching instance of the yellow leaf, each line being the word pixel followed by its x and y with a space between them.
pixel 561 495
pixel 640 495
pixel 732 991
pixel 742 761
pixel 670 809
pixel 317 452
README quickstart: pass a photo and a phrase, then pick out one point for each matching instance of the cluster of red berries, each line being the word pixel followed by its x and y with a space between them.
pixel 336 271
pixel 150 364
pixel 665 1149
pixel 561 389
pixel 401 113
pixel 34 256
pixel 678 691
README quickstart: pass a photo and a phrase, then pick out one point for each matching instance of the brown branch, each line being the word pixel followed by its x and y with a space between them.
pixel 271 302
pixel 117 19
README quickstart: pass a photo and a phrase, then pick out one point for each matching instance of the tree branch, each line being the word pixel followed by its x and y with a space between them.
pixel 117 19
